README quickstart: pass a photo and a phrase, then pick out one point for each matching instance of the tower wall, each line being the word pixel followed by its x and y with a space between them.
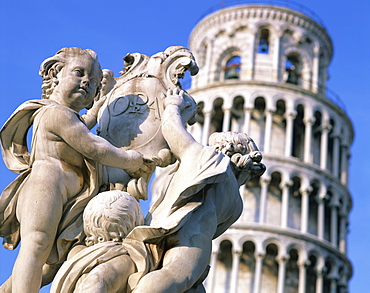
pixel 263 71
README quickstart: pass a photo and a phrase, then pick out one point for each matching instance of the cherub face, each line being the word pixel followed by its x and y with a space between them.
pixel 78 82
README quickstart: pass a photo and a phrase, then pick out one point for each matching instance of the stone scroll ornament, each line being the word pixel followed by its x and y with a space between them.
pixel 131 115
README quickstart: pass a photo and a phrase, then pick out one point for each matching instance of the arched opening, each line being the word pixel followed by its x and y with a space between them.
pixel 232 68
pixel 295 202
pixel 270 269
pixel 298 134
pixel 273 203
pixel 340 219
pixel 293 68
pixel 197 129
pixel 217 116
pixel 328 220
pixel 264 41
pixel 328 276
pixel 237 114
pixel 330 162
pixel 342 282
pixel 341 150
pixel 311 275
pixel 200 115
pixel 278 129
pixel 202 54
pixel 247 268
pixel 251 198
pixel 257 123
pixel 223 267
pixel 313 208
pixel 292 272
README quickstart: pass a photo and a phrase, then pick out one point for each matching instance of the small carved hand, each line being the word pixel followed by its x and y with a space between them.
pixel 175 97
pixel 98 102
pixel 139 166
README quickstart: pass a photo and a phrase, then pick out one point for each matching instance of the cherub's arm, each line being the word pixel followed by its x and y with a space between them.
pixel 68 126
pixel 177 112
pixel 90 117
pixel 107 84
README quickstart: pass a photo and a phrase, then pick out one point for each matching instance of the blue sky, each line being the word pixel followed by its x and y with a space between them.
pixel 31 31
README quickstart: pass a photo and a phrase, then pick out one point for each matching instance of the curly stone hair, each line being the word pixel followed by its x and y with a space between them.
pixel 241 149
pixel 110 216
pixel 53 65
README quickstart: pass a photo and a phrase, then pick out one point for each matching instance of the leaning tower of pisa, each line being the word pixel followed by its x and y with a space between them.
pixel 263 71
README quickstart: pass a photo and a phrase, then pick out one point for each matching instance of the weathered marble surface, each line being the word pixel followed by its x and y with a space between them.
pixel 142 124
pixel 131 116
pixel 44 205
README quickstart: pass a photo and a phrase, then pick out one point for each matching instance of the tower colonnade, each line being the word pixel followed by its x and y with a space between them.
pixel 263 71
pixel 260 262
pixel 281 121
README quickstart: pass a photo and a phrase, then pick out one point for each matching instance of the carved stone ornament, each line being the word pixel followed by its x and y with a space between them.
pixel 75 204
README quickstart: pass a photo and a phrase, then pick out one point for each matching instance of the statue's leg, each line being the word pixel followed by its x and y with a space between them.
pixel 185 262
pixel 39 213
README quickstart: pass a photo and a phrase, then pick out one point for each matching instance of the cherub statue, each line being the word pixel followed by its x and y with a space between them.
pixel 108 262
pixel 197 200
pixel 43 206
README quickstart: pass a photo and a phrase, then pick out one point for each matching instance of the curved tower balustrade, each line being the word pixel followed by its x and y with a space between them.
pixel 263 71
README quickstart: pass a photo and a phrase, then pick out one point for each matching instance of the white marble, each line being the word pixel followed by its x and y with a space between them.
pixel 57 208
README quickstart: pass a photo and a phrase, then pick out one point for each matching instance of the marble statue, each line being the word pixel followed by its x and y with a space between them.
pixel 43 205
pixel 190 211
pixel 77 194
pixel 197 200
pixel 108 262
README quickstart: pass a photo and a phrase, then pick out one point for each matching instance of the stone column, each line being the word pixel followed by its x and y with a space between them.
pixel 235 271
pixel 211 275
pixel 326 128
pixel 247 119
pixel 344 167
pixel 206 127
pixel 336 154
pixel 320 217
pixel 264 188
pixel 268 129
pixel 282 261
pixel 302 265
pixel 343 232
pixel 209 60
pixel 276 57
pixel 258 272
pixel 320 280
pixel 315 69
pixel 334 223
pixel 227 120
pixel 285 203
pixel 333 285
pixel 305 209
pixel 289 133
pixel 308 139
pixel 250 64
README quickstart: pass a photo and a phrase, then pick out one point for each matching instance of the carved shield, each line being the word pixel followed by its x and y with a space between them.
pixel 131 115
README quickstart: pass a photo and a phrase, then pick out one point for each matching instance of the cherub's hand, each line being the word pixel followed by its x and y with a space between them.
pixel 175 97
pixel 138 165
pixel 248 166
pixel 98 102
